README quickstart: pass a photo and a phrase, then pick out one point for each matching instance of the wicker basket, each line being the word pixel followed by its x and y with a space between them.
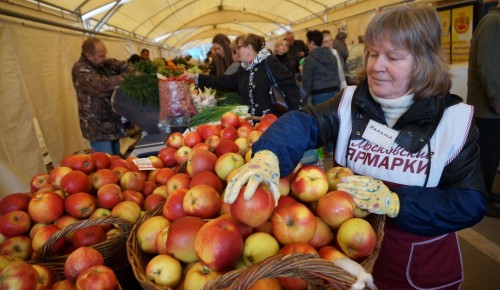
pixel 113 250
pixel 318 273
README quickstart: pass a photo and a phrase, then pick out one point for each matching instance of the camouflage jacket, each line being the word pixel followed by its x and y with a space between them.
pixel 94 87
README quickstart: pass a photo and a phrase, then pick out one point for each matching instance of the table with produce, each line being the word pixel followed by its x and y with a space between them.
pixel 98 220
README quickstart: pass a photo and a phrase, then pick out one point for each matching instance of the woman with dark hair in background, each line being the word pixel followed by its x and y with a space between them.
pixel 222 57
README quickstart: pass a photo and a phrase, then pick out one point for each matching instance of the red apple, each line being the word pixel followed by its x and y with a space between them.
pixel 97 277
pixel 335 208
pixel 178 180
pixel 63 285
pixel 202 201
pixel 182 154
pixel 75 181
pixel 15 223
pixel 80 205
pixel 18 247
pixel 167 156
pixel 147 232
pixel 271 118
pixel 356 237
pixel 245 230
pixel 218 244
pixel 255 211
pixel 323 234
pixel 285 201
pixel 82 162
pixel 132 180
pixel 226 146
pixel 181 236
pixel 88 236
pixel 173 207
pixel 202 145
pixel 212 141
pixel 230 119
pixel 208 178
pixel 262 126
pixel 109 195
pixel 334 174
pixel 101 160
pixel 119 171
pixel 229 133
pixel 200 160
pixel 294 223
pixel 152 201
pixel 192 138
pixel 41 237
pixel 244 130
pixel 46 207
pixel 310 183
pixel 38 181
pixel 57 174
pixel 330 253
pixel 80 260
pixel 163 175
pixel 175 140
pixel 15 201
pixel 19 275
pixel 149 186
pixel 102 177
pixel 118 162
pixel 134 196
pixel 208 131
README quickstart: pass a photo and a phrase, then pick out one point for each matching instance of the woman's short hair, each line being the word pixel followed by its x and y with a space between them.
pixel 417 29
pixel 257 42
pixel 315 36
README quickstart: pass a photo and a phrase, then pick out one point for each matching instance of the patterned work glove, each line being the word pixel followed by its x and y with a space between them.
pixel 263 168
pixel 371 194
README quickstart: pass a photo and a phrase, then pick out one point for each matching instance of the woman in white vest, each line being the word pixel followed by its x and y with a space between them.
pixel 410 142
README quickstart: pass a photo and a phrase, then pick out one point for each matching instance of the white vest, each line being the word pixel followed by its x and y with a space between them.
pixel 397 165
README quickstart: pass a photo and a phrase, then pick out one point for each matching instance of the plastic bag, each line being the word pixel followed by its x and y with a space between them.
pixel 176 106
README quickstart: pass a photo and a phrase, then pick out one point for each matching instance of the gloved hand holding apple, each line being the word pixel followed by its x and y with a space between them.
pixel 262 168
pixel 370 194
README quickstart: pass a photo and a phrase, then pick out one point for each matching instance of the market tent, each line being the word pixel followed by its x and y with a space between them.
pixel 41 40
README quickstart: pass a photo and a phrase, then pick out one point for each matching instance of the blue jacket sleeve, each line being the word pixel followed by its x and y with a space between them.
pixel 289 138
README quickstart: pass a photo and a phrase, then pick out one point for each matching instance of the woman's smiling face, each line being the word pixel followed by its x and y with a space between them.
pixel 389 70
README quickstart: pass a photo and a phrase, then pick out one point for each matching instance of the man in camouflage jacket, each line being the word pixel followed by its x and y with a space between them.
pixel 94 78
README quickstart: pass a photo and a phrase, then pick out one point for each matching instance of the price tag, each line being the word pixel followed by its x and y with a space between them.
pixel 143 164
pixel 380 134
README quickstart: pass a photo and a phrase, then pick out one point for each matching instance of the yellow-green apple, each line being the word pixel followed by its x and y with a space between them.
pixel 15 201
pixel 88 236
pixel 100 213
pixel 258 247
pixel 360 212
pixel 181 236
pixel 356 238
pixel 127 210
pixel 293 223
pixel 173 207
pixel 82 162
pixel 219 244
pixel 152 201
pixel 161 190
pixel 199 275
pixel 334 174
pixel 57 174
pixel 46 277
pixel 202 201
pixel 101 160
pixel 134 196
pixel 192 138
pixel 295 283
pixel 228 162
pixel 80 260
pixel 102 177
pixel 255 211
pixel 46 207
pixel 39 180
pixel 97 277
pixel 147 231
pixel 19 275
pixel 208 178
pixel 63 285
pixel 45 233
pixel 228 133
pixel 226 146
pixel 167 156
pixel 310 183
pixel 335 207
pixel 80 205
pixel 200 160
pixel 212 141
pixel 132 180
pixel 253 136
pixel 119 171
pixel 75 181
pixel 230 119
pixel 248 155
pixel 244 130
pixel 156 161
pixel 323 235
pixel 109 195
pixel 182 154
pixel 284 185
pixel 164 270
pixel 161 240
pixel 175 140
pixel 178 180
pixel 330 253
pixel 113 233
pixel 242 144
pixel 15 223
pixel 17 246
pixel 163 175
pixel 33 230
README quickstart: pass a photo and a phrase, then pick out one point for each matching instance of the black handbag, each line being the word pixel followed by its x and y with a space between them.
pixel 277 96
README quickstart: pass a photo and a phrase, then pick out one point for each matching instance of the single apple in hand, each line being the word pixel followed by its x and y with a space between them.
pixel 255 211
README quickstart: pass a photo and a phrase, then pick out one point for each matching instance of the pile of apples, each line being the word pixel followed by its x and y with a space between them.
pixel 195 237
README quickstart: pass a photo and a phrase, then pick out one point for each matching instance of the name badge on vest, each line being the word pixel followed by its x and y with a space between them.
pixel 380 134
